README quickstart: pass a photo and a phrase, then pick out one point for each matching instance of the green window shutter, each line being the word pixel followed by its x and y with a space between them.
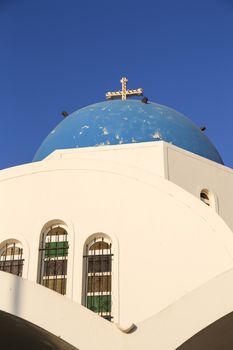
pixel 55 249
pixel 99 303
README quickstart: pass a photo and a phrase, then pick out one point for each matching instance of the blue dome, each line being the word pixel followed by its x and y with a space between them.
pixel 121 122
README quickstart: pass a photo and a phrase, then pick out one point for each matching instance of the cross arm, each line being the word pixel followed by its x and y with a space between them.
pixel 110 94
pixel 137 92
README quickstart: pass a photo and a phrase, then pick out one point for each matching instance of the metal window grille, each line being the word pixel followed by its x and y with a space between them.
pixel 53 254
pixel 98 281
pixel 11 259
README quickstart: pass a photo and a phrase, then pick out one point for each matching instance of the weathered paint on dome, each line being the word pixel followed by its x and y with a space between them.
pixel 123 122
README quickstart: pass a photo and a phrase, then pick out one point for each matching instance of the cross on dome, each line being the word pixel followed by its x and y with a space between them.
pixel 124 92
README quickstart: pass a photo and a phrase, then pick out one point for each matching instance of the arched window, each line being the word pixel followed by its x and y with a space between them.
pixel 209 198
pixel 204 196
pixel 11 258
pixel 53 254
pixel 98 277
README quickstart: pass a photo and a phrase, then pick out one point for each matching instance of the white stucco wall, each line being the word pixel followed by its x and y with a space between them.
pixel 148 156
pixel 57 315
pixel 194 173
pixel 187 170
pixel 83 329
pixel 166 242
pixel 188 316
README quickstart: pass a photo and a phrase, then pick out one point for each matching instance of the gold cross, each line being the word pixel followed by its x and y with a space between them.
pixel 124 92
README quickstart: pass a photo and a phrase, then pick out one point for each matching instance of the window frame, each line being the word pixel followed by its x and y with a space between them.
pixel 98 295
pixel 44 256
pixel 211 200
pixel 21 261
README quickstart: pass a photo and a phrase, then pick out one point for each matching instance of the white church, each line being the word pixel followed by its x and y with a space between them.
pixel 118 235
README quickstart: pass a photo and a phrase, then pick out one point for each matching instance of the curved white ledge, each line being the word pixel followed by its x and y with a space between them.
pixel 56 314
pixel 192 313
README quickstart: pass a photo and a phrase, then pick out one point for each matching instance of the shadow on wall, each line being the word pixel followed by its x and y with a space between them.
pixel 17 333
pixel 218 335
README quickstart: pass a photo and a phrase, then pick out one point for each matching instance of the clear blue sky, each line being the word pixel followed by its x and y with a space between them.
pixel 65 54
